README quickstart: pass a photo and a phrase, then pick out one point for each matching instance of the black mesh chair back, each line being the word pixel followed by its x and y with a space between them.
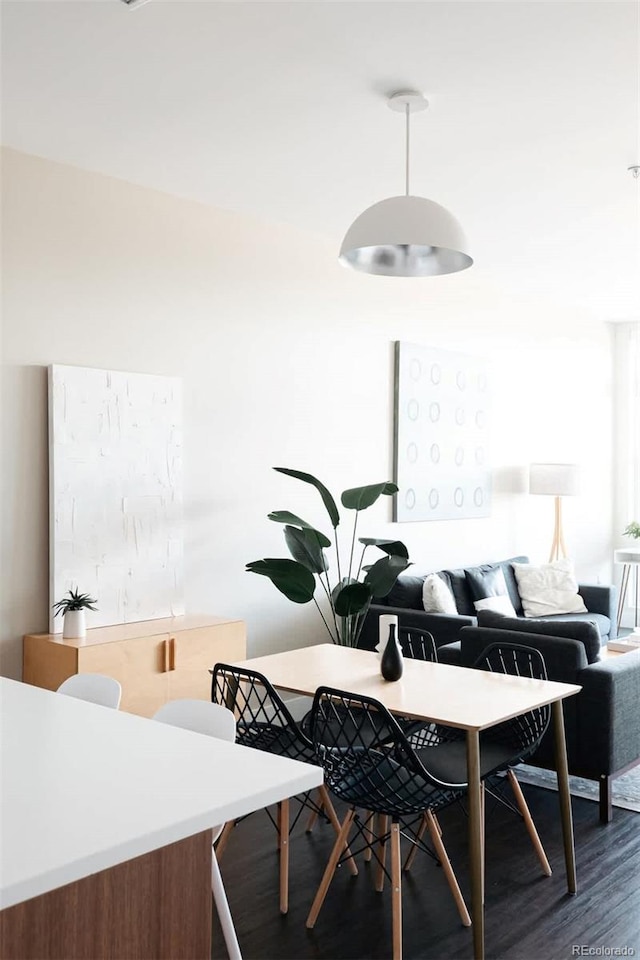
pixel 262 718
pixel 525 732
pixel 367 759
pixel 417 644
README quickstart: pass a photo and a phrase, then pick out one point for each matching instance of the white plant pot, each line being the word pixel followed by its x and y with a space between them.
pixel 74 625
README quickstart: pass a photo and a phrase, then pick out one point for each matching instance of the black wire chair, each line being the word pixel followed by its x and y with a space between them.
pixel 264 723
pixel 370 764
pixel 418 644
pixel 522 735
pixel 501 747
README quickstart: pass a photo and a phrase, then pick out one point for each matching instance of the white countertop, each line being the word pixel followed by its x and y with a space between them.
pixel 84 788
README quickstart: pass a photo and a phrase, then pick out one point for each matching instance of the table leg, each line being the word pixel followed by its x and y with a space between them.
pixel 624 583
pixel 476 846
pixel 562 770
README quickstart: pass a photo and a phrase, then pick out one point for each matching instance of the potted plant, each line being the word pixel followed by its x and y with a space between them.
pixel 347 596
pixel 632 530
pixel 72 608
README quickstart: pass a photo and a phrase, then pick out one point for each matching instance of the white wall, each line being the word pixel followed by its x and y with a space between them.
pixel 287 360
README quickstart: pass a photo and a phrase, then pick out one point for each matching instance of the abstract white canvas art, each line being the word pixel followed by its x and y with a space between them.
pixel 442 419
pixel 115 468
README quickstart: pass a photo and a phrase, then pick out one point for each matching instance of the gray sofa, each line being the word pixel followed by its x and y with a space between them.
pixel 405 600
pixel 602 722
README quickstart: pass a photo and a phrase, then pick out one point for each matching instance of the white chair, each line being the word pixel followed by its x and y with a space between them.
pixel 94 687
pixel 201 716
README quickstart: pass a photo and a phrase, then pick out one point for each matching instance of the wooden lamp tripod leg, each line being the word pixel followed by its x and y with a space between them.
pixel 558 546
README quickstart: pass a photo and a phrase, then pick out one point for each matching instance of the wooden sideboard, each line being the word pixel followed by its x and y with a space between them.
pixel 154 660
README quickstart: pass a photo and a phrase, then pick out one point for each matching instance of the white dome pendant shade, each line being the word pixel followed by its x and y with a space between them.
pixel 406 236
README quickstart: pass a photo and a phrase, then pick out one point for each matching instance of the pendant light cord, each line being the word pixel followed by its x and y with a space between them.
pixel 407 113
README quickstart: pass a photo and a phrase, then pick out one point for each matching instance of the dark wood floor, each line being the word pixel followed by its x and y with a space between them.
pixel 528 916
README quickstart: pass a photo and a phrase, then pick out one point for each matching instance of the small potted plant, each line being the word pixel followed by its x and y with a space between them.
pixel 72 608
pixel 632 530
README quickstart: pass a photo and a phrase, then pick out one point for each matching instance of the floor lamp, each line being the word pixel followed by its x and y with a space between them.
pixel 555 480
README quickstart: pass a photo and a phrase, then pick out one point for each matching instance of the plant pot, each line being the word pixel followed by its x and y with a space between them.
pixel 74 625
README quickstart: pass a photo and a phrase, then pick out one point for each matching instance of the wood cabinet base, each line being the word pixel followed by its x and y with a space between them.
pixel 154 660
pixel 155 907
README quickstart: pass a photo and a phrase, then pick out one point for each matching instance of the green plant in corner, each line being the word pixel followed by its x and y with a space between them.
pixel 74 601
pixel 632 530
pixel 348 597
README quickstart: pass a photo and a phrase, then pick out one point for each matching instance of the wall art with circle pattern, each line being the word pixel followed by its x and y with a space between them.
pixel 441 435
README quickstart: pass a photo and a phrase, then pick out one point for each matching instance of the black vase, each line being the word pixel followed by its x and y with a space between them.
pixel 391 663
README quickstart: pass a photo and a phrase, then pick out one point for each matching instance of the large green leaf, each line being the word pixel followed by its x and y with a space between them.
pixel 290 577
pixel 352 599
pixel 340 586
pixel 395 548
pixel 284 516
pixel 383 574
pixel 305 548
pixel 327 499
pixel 359 498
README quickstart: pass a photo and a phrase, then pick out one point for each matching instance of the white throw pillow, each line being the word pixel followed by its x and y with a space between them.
pixel 548 589
pixel 436 596
pixel 501 604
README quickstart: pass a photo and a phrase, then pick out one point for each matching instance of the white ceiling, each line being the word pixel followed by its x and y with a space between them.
pixel 277 109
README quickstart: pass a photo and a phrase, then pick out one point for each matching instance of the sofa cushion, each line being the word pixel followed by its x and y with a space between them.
pixel 486 581
pixel 436 595
pixel 406 592
pixel 548 588
pixel 489 590
pixel 460 590
pixel 500 604
pixel 584 631
pixel 462 593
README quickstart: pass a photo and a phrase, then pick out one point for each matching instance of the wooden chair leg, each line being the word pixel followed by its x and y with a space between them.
pixel 223 838
pixel 414 847
pixel 383 826
pixel 396 892
pixel 436 839
pixel 333 817
pixel 338 847
pixel 311 822
pixel 283 824
pixel 313 816
pixel 368 834
pixel 529 824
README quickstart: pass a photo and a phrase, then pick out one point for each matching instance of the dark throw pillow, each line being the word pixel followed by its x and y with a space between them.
pixel 406 592
pixel 486 582
pixel 489 591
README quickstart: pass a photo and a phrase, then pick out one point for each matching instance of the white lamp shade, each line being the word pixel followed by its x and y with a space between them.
pixel 405 237
pixel 554 479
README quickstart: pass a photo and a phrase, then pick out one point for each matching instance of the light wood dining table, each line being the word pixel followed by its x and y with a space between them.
pixel 470 700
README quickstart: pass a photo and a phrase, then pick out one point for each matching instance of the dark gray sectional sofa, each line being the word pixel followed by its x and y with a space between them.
pixel 405 600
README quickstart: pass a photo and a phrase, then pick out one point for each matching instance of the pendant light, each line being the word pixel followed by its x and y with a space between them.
pixel 406 236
